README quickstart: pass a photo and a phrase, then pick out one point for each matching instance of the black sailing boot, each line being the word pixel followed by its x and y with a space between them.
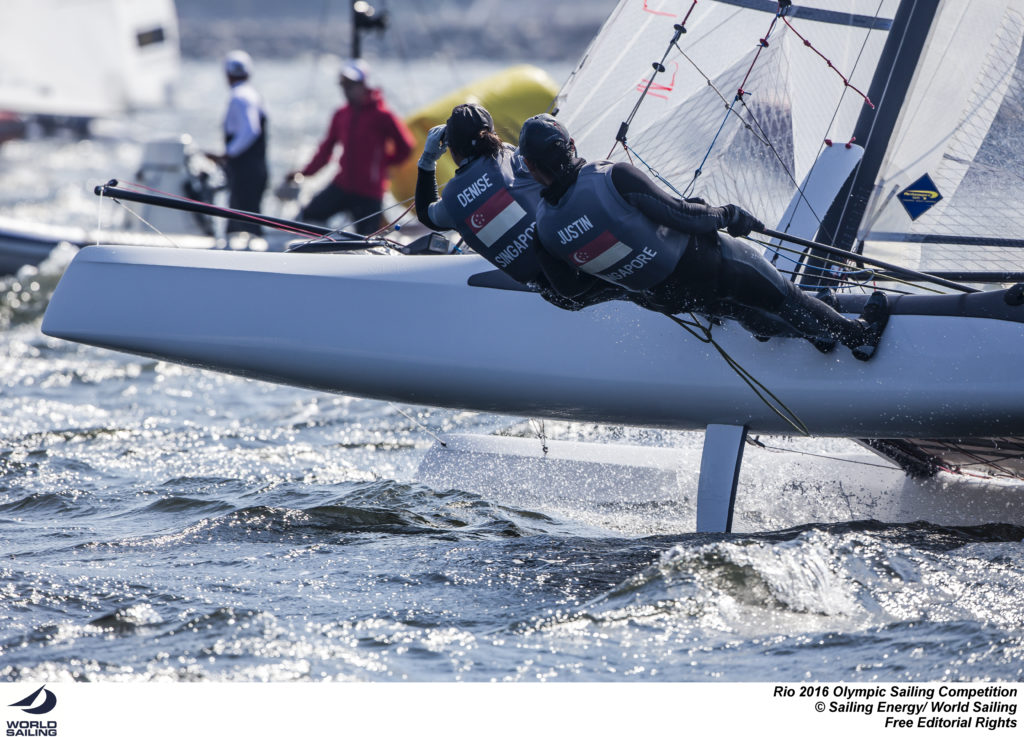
pixel 826 345
pixel 874 319
pixel 818 320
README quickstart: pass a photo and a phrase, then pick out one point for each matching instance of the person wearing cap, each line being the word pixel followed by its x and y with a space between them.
pixel 372 139
pixel 245 142
pixel 611 221
pixel 491 201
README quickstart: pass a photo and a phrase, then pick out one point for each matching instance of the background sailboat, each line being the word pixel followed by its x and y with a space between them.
pixel 75 60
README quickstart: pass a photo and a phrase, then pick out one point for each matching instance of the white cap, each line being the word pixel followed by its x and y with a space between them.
pixel 356 70
pixel 237 64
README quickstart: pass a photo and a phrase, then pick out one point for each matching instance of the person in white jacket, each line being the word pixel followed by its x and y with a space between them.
pixel 245 142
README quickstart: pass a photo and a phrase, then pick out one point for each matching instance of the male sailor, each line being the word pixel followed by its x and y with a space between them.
pixel 611 221
pixel 491 201
pixel 245 142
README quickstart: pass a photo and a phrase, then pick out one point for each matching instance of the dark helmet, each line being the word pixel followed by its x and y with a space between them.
pixel 544 141
pixel 463 127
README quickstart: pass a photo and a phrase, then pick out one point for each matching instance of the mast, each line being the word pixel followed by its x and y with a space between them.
pixel 890 85
pixel 365 18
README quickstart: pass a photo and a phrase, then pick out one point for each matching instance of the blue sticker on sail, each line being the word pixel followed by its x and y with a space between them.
pixel 919 196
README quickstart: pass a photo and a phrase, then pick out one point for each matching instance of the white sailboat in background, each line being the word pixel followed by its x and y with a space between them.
pixel 66 63
pixel 85 59
pixel 856 124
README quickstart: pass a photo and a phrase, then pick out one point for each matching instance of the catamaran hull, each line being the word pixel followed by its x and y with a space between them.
pixel 411 329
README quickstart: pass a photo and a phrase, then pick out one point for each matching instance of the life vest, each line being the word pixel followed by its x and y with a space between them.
pixel 595 230
pixel 493 202
pixel 254 157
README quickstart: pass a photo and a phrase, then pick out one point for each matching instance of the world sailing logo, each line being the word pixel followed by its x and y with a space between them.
pixel 34 728
pixel 919 197
pixel 49 701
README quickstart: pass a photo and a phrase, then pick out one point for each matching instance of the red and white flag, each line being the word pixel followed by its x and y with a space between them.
pixel 600 253
pixel 495 217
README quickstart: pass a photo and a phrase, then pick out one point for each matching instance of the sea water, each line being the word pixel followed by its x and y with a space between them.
pixel 165 523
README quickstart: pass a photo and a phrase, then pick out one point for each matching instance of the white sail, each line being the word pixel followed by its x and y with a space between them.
pixel 794 100
pixel 87 58
pixel 960 128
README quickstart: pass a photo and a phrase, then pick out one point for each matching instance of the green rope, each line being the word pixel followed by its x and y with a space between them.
pixel 776 405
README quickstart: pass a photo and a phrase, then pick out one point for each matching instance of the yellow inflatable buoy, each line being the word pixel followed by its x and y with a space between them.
pixel 511 96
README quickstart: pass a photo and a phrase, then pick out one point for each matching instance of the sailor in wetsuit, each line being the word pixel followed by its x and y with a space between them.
pixel 609 220
pixel 491 201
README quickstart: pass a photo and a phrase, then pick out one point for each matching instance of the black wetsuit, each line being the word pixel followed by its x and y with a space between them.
pixel 716 274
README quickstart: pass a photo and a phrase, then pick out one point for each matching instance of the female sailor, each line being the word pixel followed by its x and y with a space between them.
pixel 611 221
pixel 491 201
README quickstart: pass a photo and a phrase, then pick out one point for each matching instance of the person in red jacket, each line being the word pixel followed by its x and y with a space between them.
pixel 372 138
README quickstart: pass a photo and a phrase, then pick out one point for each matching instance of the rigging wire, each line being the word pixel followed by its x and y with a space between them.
pixel 856 171
pixel 130 211
pixel 740 93
pixel 394 223
pixel 718 92
pixel 99 220
pixel 541 433
pixel 835 114
pixel 842 267
pixel 846 81
pixel 659 67
pixel 703 333
pixel 757 442
pixel 760 134
pixel 419 424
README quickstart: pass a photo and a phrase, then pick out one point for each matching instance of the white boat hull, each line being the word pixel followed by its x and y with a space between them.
pixel 410 329
pixel 841 483
pixel 25 243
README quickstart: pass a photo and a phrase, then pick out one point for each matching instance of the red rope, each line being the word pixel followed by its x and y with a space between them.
pixel 390 225
pixel 763 44
pixel 687 16
pixel 828 61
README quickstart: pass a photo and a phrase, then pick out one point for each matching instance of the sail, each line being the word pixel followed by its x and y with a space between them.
pixel 801 78
pixel 947 195
pixel 87 58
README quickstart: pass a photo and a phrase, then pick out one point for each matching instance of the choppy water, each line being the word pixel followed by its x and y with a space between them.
pixel 158 522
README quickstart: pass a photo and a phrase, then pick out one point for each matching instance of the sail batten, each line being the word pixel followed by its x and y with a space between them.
pixel 819 15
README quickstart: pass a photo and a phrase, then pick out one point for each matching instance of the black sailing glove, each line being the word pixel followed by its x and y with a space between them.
pixel 740 222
